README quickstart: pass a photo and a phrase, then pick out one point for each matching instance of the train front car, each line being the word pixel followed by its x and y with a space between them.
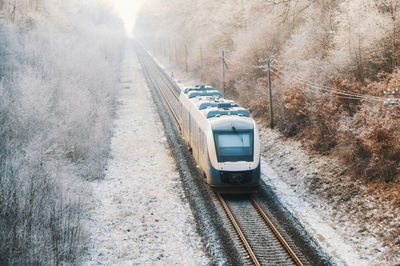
pixel 235 158
pixel 223 139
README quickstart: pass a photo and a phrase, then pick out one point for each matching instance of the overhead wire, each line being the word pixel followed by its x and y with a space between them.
pixel 345 95
pixel 342 94
pixel 330 89
pixel 308 84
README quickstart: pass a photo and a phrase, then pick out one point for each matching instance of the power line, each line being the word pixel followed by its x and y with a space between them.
pixel 342 94
pixel 330 89
pixel 295 78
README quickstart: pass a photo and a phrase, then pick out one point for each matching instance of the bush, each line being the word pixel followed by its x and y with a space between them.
pixel 371 137
pixel 39 217
pixel 57 84
pixel 382 140
pixel 312 41
pixel 294 116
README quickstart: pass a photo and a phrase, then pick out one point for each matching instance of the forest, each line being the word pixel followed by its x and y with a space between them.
pixel 335 77
pixel 59 65
pixel 335 87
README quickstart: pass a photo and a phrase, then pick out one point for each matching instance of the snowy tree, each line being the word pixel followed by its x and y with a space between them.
pixel 59 63
pixel 361 27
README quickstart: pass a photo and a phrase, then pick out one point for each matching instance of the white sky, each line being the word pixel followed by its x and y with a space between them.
pixel 127 10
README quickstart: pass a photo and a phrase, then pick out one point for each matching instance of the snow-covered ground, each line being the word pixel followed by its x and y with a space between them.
pixel 285 169
pixel 293 195
pixel 288 169
pixel 139 214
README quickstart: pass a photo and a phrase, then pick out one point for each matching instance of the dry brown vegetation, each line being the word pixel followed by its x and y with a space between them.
pixel 364 134
pixel 334 61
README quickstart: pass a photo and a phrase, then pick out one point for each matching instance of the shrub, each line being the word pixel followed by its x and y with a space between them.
pixel 350 40
pixel 370 138
pixel 295 115
pixel 381 138
pixel 57 85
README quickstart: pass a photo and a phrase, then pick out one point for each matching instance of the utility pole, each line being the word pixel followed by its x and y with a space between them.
pixel 186 55
pixel 268 62
pixel 13 11
pixel 223 72
pixel 201 63
pixel 271 124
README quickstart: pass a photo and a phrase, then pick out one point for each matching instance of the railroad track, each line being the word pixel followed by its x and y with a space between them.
pixel 261 239
pixel 156 77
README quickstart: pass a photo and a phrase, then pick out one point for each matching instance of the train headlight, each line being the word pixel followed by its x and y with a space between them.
pixel 250 165
pixel 221 166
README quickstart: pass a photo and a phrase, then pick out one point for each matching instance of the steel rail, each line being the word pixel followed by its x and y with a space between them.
pixel 276 232
pixel 158 78
pixel 238 230
pixel 169 105
pixel 165 79
pixel 156 82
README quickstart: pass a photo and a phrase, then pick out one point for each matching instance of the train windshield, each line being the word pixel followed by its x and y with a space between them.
pixel 234 146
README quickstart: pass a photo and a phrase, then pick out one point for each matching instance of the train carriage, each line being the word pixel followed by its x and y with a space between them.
pixel 223 138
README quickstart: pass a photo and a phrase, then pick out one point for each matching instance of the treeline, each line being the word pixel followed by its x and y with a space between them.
pixel 59 64
pixel 332 63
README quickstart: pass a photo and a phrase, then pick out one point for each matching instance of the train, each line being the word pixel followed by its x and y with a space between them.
pixel 222 137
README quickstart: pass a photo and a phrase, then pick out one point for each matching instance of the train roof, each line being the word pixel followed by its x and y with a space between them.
pixel 198 88
pixel 218 104
pixel 205 93
pixel 221 107
pixel 210 103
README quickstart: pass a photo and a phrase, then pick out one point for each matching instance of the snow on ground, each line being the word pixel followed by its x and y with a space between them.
pixel 339 240
pixel 292 193
pixel 139 215
pixel 287 169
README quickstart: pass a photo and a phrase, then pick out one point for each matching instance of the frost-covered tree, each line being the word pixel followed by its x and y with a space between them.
pixel 361 27
pixel 319 46
pixel 59 63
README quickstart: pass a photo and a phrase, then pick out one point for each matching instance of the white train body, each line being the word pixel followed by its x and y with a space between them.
pixel 224 139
